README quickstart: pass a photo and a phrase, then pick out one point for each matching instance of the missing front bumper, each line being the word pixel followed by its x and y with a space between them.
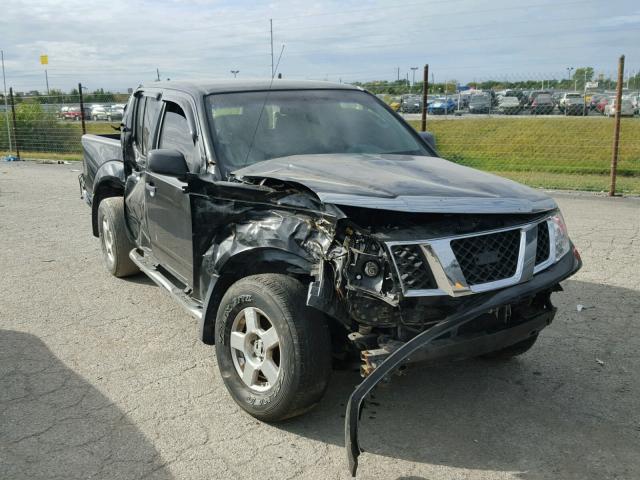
pixel 460 347
pixel 541 282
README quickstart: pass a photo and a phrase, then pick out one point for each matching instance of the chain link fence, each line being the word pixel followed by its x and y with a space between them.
pixel 51 126
pixel 542 130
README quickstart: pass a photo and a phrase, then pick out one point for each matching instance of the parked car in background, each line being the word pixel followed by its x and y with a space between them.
pixel 73 113
pixel 594 100
pixel 411 104
pixel 462 100
pixel 602 103
pixel 442 106
pixel 557 96
pixel 509 93
pixel 480 104
pixel 626 108
pixel 99 112
pixel 115 112
pixel 395 103
pixel 534 94
pixel 572 104
pixel 542 104
pixel 62 111
pixel 509 105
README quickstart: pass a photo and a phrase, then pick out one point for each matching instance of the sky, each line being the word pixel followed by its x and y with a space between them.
pixel 118 44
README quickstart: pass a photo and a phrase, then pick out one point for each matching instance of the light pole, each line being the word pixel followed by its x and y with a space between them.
pixel 6 107
pixel 413 82
pixel 235 73
pixel 569 69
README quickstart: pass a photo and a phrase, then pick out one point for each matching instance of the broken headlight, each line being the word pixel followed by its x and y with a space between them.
pixel 560 235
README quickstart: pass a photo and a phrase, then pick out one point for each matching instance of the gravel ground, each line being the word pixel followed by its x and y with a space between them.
pixel 105 378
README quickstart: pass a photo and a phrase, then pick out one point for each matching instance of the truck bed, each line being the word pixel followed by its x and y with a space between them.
pixel 97 151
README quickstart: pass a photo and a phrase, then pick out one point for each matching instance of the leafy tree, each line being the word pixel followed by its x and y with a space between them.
pixel 582 75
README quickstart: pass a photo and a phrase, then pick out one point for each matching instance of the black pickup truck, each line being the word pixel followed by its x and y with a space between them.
pixel 305 223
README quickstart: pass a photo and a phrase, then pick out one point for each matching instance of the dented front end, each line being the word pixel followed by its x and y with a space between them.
pixel 384 275
pixel 405 286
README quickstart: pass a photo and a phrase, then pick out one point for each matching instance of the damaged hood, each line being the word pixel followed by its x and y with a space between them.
pixel 401 182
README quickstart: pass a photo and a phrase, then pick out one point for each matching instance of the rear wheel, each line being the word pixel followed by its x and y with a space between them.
pixel 512 350
pixel 273 351
pixel 114 240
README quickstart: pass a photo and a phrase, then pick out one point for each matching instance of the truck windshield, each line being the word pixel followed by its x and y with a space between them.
pixel 303 122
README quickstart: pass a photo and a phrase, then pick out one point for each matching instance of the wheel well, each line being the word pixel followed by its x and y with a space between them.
pixel 244 265
pixel 105 189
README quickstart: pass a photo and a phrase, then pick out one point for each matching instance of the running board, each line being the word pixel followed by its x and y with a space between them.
pixel 149 268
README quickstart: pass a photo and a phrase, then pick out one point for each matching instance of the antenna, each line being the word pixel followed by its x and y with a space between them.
pixel 266 97
pixel 271 31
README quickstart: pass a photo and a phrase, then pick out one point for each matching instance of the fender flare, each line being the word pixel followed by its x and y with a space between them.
pixel 246 262
pixel 108 182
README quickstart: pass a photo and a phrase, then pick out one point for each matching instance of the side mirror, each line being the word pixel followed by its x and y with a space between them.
pixel 429 138
pixel 167 162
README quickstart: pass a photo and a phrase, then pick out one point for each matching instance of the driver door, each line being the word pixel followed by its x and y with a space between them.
pixel 168 207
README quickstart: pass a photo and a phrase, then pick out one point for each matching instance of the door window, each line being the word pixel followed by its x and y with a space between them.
pixel 147 110
pixel 151 111
pixel 176 135
pixel 138 134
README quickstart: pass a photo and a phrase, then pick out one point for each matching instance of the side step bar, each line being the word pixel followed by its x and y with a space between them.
pixel 148 268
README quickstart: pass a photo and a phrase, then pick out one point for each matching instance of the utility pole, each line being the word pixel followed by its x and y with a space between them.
pixel 616 128
pixel 425 90
pixel 271 33
pixel 157 74
pixel 81 98
pixel 6 107
pixel 569 69
pixel 15 128
pixel 235 72
pixel 398 74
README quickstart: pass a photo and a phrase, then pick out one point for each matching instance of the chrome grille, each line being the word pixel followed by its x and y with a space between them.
pixel 488 258
pixel 413 270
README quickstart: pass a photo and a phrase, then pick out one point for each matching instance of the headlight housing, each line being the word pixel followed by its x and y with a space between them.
pixel 560 236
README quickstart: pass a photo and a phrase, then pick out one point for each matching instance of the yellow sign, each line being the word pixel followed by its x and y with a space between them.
pixel 44 59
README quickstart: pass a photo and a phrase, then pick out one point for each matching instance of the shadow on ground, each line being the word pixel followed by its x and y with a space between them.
pixel 55 425
pixel 553 413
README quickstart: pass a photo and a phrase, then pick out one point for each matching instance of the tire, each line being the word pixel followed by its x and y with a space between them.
pixel 114 240
pixel 302 355
pixel 512 350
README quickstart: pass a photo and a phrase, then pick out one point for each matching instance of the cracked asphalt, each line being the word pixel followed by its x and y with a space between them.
pixel 105 378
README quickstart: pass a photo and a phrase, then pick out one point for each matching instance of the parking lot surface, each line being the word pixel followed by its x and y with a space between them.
pixel 106 378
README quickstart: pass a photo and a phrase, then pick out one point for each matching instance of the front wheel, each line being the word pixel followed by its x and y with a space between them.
pixel 274 352
pixel 114 240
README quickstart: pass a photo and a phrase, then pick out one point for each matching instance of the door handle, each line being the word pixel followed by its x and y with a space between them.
pixel 151 188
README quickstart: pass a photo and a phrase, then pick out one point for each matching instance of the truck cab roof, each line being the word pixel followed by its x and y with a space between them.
pixel 202 88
